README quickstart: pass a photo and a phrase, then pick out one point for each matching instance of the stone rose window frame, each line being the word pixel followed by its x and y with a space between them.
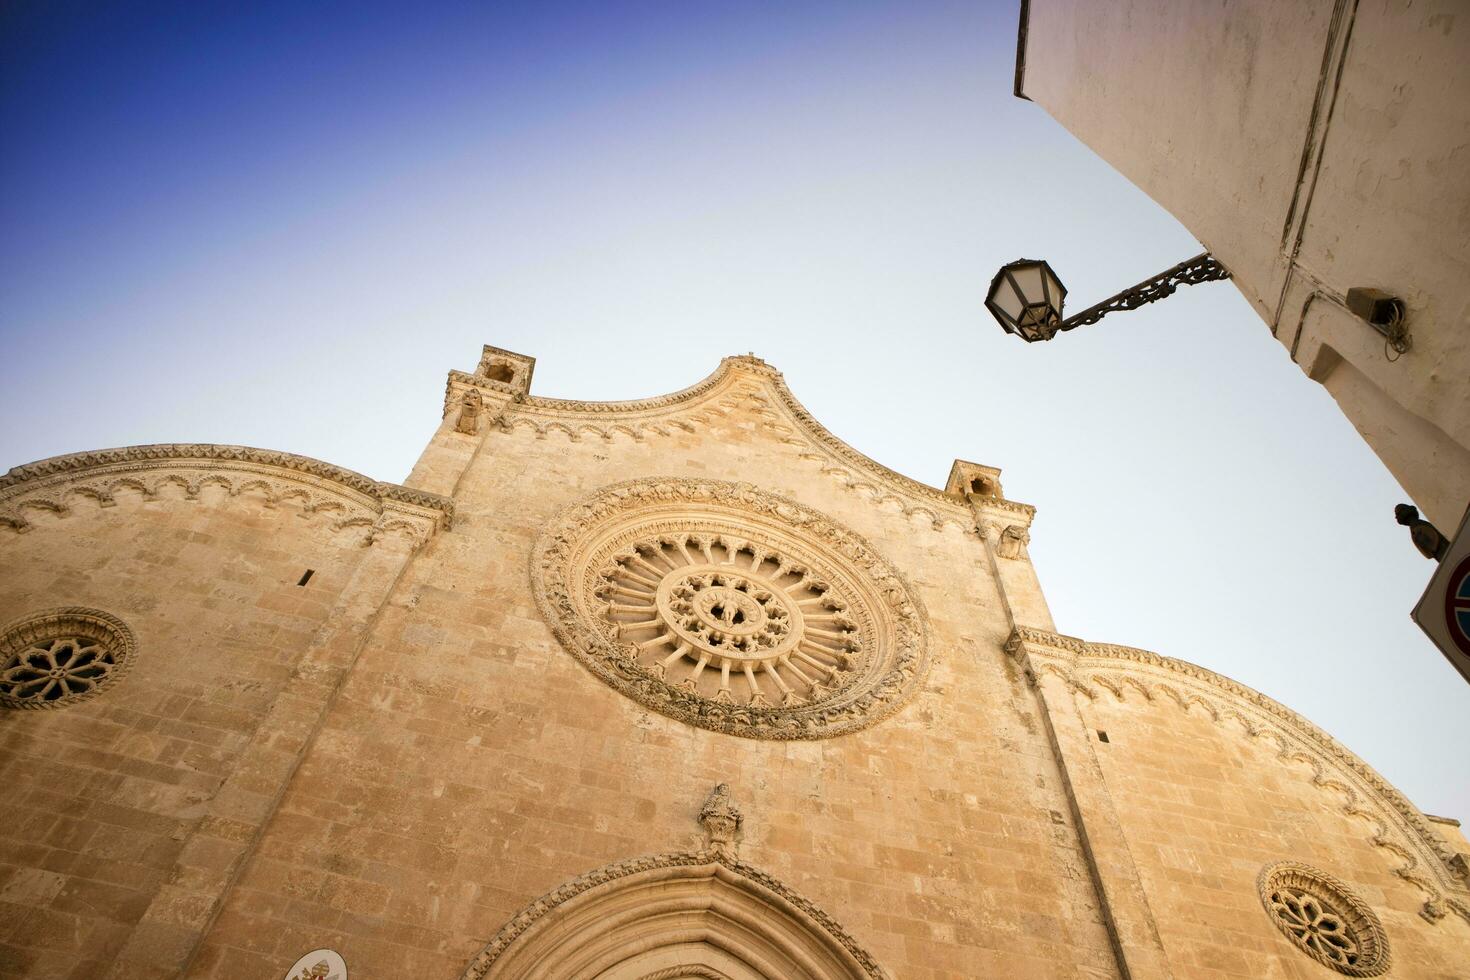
pixel 731 609
pixel 59 657
pixel 1322 917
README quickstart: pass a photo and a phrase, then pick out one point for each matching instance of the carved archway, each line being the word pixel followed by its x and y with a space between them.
pixel 683 915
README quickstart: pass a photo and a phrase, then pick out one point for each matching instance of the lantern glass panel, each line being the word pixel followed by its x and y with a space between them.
pixel 1006 299
pixel 1028 278
pixel 1056 292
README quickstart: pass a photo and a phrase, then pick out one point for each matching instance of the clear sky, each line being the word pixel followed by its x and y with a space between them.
pixel 280 224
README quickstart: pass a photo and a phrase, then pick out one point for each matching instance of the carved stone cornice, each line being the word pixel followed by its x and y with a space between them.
pixel 1007 511
pixel 657 403
pixel 463 380
pixel 314 484
pixel 661 415
pixel 1398 826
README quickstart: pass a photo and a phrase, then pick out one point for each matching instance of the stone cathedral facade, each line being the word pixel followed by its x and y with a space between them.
pixel 675 688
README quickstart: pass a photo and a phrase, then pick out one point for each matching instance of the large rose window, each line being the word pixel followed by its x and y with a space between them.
pixel 730 608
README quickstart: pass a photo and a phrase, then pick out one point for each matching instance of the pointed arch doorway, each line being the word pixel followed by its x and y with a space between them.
pixel 694 916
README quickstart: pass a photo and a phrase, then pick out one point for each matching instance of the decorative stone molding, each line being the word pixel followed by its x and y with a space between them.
pixel 729 608
pixel 576 430
pixel 786 417
pixel 595 920
pixel 56 658
pixel 315 486
pixel 686 973
pixel 721 820
pixel 460 382
pixel 1322 917
pixel 663 416
pixel 1398 827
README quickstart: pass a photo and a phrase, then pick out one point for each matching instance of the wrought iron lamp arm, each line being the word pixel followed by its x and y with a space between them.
pixel 1201 268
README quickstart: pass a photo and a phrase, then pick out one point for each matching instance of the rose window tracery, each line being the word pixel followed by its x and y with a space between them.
pixel 60 657
pixel 1324 919
pixel 731 620
pixel 730 608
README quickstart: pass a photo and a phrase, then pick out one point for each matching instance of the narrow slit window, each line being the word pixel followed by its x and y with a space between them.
pixel 306 576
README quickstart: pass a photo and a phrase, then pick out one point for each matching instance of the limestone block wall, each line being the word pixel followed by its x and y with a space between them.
pixel 1207 807
pixel 472 764
pixel 1212 783
pixel 125 815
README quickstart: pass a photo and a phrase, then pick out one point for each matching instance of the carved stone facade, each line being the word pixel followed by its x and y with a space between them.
pixel 469 726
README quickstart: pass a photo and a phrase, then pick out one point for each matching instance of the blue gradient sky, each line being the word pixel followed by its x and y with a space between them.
pixel 280 224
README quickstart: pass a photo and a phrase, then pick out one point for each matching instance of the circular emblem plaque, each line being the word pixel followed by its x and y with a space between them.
pixel 730 608
pixel 319 964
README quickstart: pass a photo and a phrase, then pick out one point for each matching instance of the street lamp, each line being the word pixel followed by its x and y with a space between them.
pixel 1026 296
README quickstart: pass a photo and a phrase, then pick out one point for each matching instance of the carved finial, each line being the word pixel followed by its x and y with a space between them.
pixel 721 820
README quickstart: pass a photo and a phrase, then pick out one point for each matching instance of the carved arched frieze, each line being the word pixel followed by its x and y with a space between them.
pixel 786 416
pixel 662 416
pixel 591 925
pixel 1095 670
pixel 312 487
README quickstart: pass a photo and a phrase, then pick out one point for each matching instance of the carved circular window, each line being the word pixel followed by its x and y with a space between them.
pixel 731 609
pixel 1324 919
pixel 61 656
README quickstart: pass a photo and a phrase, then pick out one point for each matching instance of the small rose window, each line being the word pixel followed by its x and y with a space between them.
pixel 62 656
pixel 1324 919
